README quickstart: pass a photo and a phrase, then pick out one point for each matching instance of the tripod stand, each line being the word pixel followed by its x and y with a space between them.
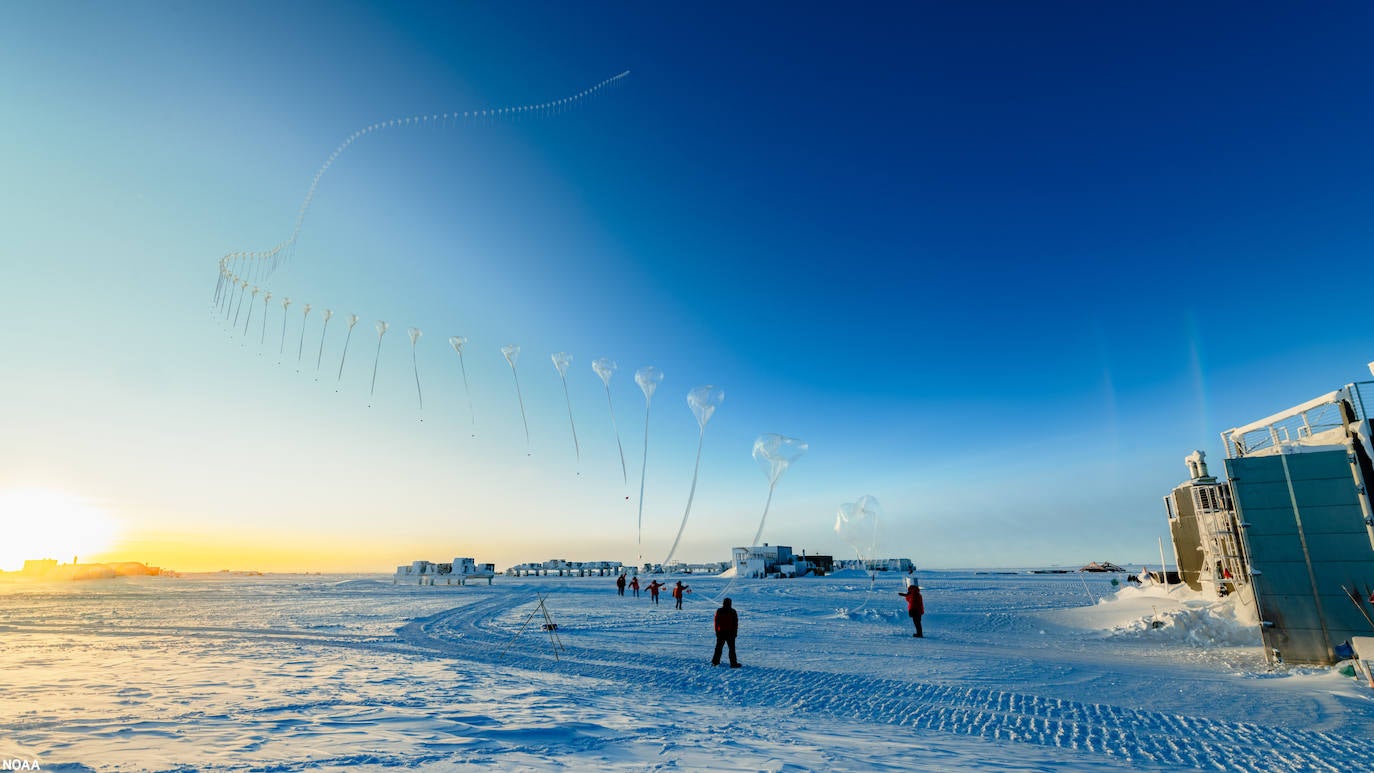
pixel 549 625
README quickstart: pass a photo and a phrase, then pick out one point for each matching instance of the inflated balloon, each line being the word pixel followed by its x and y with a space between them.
pixel 319 356
pixel 262 336
pixel 561 361
pixel 775 453
pixel 457 343
pixel 648 378
pixel 243 285
pixel 414 337
pixel 352 320
pixel 238 270
pixel 250 310
pixel 232 297
pixel 300 345
pixel 285 304
pixel 223 289
pixel 219 287
pixel 512 353
pixel 703 400
pixel 857 524
pixel 381 331
pixel 243 292
pixel 605 368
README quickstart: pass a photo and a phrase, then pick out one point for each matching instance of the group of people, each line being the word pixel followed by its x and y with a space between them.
pixel 653 587
pixel 727 619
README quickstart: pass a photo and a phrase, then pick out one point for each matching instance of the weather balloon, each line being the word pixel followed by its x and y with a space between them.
pixel 561 361
pixel 704 400
pixel 648 378
pixel 512 354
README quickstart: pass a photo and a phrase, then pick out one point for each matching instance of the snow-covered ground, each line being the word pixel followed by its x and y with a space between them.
pixel 1017 672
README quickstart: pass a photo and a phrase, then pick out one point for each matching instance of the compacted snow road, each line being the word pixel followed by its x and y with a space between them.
pixel 1098 730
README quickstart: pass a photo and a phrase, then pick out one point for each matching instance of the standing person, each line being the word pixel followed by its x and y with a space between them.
pixel 915 607
pixel 634 585
pixel 727 627
pixel 653 591
pixel 620 584
pixel 678 591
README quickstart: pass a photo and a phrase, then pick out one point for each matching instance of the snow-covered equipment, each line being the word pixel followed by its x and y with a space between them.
pixel 1300 480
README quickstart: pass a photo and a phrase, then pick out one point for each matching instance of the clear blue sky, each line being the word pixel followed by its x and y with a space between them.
pixel 1002 265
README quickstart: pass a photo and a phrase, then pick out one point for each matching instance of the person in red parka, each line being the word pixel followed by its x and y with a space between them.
pixel 634 585
pixel 915 607
pixel 678 590
pixel 727 626
pixel 653 591
pixel 620 584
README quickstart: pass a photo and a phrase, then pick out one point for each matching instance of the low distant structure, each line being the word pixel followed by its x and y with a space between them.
pixel 682 567
pixel 1105 566
pixel 49 570
pixel 815 564
pixel 902 565
pixel 781 561
pixel 561 567
pixel 457 572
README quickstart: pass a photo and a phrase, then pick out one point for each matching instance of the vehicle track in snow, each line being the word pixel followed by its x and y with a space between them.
pixel 1122 734
pixel 481 631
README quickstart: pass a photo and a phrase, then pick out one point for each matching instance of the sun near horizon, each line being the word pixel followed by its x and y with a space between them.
pixel 46 523
pixel 51 523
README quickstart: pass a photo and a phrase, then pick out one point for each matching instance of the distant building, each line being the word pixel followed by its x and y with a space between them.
pixel 457 572
pixel 813 564
pixel 561 567
pixel 780 561
pixel 763 561
pixel 49 569
pixel 682 567
pixel 903 565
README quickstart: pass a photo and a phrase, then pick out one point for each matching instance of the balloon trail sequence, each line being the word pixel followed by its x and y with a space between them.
pixel 242 277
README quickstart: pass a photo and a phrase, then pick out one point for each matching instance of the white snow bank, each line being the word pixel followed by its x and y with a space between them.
pixel 865 614
pixel 1177 614
pixel 729 574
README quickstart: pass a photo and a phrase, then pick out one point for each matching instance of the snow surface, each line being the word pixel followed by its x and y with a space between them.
pixel 1018 672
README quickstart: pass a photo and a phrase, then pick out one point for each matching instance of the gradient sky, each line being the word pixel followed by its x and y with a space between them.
pixel 1002 265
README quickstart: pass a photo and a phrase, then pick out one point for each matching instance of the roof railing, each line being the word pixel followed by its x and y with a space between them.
pixel 1319 421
